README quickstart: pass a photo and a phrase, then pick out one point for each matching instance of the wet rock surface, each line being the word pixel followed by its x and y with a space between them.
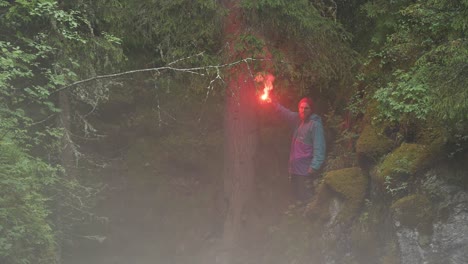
pixel 448 242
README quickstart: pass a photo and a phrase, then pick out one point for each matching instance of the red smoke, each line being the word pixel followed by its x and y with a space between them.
pixel 267 79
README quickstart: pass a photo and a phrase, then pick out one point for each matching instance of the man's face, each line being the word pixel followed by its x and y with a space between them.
pixel 304 111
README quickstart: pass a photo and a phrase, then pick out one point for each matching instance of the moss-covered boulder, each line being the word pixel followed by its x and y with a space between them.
pixel 350 184
pixel 403 162
pixel 414 211
pixel 434 137
pixel 372 144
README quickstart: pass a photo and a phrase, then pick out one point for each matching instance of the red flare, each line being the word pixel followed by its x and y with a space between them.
pixel 267 79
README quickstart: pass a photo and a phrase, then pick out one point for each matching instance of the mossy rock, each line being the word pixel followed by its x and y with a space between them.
pixel 406 160
pixel 372 144
pixel 351 184
pixel 434 137
pixel 414 211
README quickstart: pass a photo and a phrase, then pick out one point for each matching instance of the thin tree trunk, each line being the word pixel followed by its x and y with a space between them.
pixel 67 157
pixel 66 160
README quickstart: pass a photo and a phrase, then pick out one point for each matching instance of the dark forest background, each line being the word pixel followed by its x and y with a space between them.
pixel 131 131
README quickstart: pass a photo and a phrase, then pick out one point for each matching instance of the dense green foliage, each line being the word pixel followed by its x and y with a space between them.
pixel 312 50
pixel 160 32
pixel 44 45
pixel 181 34
pixel 26 234
pixel 417 66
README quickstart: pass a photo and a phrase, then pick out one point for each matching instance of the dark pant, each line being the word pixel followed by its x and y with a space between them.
pixel 302 187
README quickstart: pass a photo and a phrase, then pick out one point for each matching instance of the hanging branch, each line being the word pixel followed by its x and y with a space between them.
pixel 193 70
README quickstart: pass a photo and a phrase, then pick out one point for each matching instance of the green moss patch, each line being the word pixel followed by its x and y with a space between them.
pixel 434 137
pixel 414 211
pixel 351 184
pixel 373 144
pixel 406 160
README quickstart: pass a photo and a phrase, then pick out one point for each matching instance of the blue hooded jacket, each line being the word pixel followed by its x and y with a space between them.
pixel 308 141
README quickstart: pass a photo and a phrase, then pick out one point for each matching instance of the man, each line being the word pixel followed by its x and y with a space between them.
pixel 307 152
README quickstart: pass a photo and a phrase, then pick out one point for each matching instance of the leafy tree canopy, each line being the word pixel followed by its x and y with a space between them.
pixel 44 45
pixel 418 64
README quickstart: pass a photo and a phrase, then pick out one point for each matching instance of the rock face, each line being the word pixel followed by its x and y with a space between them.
pixel 413 211
pixel 449 240
pixel 438 234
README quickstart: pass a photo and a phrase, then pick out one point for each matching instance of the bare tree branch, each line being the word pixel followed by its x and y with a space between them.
pixel 193 70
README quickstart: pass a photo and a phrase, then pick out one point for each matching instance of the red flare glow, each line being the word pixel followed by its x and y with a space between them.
pixel 267 79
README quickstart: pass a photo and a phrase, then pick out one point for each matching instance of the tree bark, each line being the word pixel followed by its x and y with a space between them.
pixel 240 139
pixel 240 145
pixel 66 159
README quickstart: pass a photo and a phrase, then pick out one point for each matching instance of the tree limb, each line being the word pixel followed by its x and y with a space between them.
pixel 193 70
